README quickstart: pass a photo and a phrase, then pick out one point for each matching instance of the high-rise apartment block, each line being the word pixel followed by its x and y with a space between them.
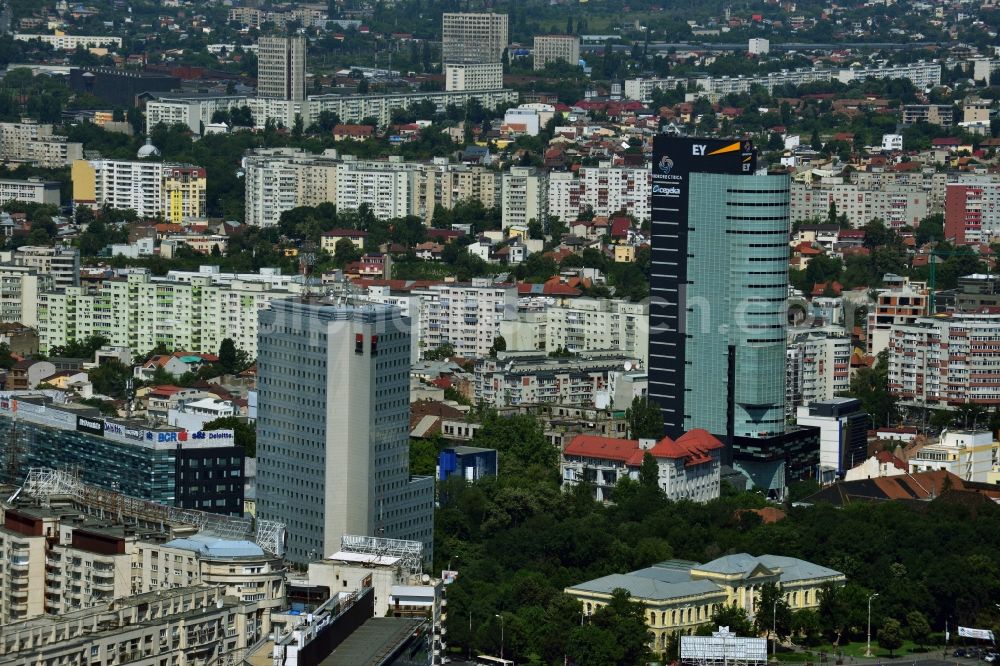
pixel 556 48
pixel 466 316
pixel 818 365
pixel 473 76
pixel 524 196
pixel 578 325
pixel 280 179
pixel 28 141
pixel 972 212
pixel 141 311
pixel 333 427
pixel 281 67
pixel 60 262
pixel 473 38
pixel 175 191
pixel 946 361
pixel 605 189
pixel 717 322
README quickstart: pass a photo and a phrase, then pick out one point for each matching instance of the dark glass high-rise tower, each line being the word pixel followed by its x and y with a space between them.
pixel 719 283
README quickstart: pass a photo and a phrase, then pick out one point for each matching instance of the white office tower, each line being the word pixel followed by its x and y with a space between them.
pixel 281 67
pixel 333 426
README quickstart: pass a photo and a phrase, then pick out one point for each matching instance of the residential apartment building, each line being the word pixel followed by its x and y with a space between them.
pixel 901 303
pixel 333 427
pixel 387 188
pixel 972 212
pixel 140 311
pixel 195 470
pixel 35 143
pixel 968 454
pixel 922 74
pixel 896 205
pixel 63 42
pixel 78 558
pixel 183 627
pixel 281 67
pixel 534 378
pixel 59 262
pixel 444 184
pixel 174 191
pixel 687 468
pixel 605 189
pixel 934 114
pixel 578 325
pixel 473 38
pixel 195 111
pixel 20 287
pixel 466 316
pixel 556 48
pixel 459 77
pixel 30 191
pixel 524 196
pixel 279 179
pixel 946 361
pixel 818 365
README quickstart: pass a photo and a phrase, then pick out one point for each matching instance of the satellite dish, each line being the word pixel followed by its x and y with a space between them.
pixel 628 366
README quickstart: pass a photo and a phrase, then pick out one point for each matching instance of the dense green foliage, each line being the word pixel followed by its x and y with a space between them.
pixel 519 540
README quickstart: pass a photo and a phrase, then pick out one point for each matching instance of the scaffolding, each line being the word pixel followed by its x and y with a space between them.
pixel 44 483
pixel 410 553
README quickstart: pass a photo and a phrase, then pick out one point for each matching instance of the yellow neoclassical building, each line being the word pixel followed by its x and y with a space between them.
pixel 680 595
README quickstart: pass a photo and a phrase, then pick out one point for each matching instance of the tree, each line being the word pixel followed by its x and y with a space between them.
pixel 806 624
pixel 649 471
pixel 231 359
pixel 890 636
pixel 617 635
pixel 499 345
pixel 871 387
pixel 735 617
pixel 918 627
pixel 344 252
pixel 244 433
pixel 772 612
pixel 440 353
pixel 644 419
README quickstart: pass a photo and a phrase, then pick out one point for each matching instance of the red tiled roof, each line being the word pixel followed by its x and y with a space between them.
pixel 886 457
pixel 620 227
pixel 605 448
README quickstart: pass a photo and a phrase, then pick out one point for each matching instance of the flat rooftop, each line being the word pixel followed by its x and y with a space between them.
pixel 373 642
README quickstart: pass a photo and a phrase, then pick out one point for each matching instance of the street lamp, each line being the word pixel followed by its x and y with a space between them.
pixel 868 650
pixel 501 634
pixel 774 630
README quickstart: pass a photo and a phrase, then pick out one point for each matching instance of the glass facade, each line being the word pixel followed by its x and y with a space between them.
pixel 208 479
pixel 736 292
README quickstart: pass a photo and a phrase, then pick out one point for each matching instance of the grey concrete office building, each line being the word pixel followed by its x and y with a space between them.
pixel 333 426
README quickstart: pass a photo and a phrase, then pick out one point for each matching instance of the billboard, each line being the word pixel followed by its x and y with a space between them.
pixel 90 426
pixel 723 647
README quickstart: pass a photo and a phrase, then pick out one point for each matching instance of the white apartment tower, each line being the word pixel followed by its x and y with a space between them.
pixel 333 427
pixel 473 38
pixel 281 67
